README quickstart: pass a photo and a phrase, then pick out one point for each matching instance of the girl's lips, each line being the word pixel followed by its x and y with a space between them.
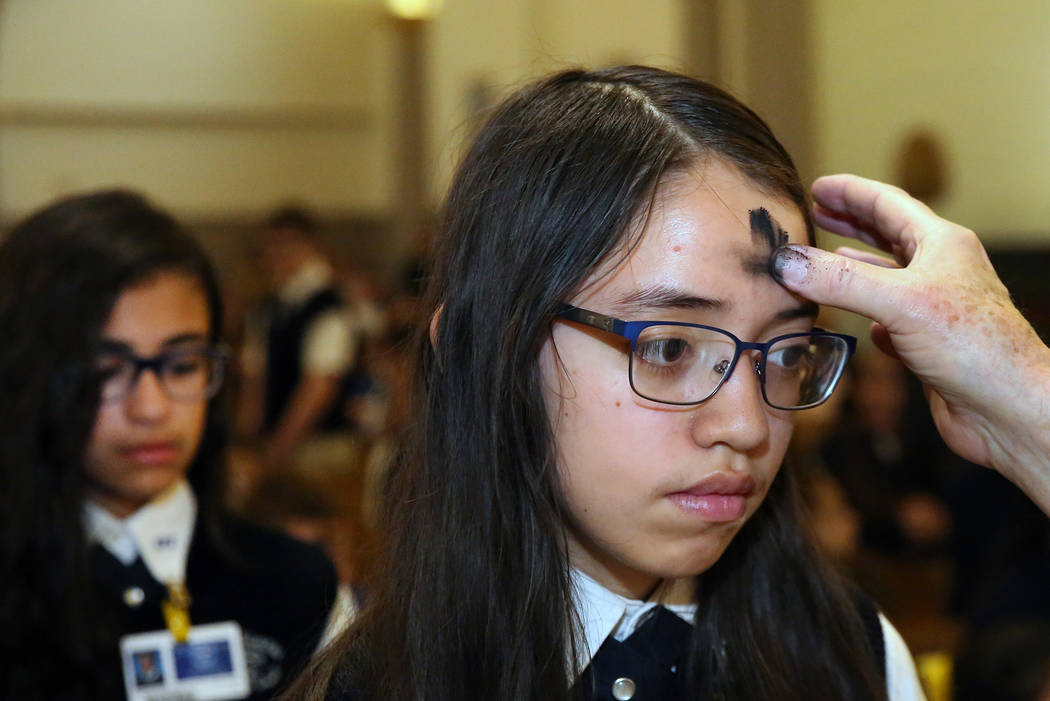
pixel 722 483
pixel 718 498
pixel 154 453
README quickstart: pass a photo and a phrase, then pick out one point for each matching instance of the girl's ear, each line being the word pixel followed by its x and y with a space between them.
pixel 434 321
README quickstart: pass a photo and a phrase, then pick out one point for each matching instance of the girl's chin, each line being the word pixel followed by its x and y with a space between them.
pixel 123 502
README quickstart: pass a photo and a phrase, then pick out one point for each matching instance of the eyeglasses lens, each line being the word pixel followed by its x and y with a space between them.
pixel 686 365
pixel 680 364
pixel 802 371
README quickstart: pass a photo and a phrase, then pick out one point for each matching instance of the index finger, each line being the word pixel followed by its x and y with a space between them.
pixel 876 213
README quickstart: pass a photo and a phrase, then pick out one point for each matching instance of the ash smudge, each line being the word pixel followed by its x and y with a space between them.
pixel 766 229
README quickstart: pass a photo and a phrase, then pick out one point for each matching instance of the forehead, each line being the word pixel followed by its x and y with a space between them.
pixel 710 233
pixel 163 306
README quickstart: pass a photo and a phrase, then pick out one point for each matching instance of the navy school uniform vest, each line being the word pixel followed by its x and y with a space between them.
pixel 284 354
pixel 645 666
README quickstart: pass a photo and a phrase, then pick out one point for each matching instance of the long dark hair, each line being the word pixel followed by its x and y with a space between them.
pixel 475 598
pixel 61 271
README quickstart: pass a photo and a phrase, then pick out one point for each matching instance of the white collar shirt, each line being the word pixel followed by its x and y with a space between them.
pixel 604 613
pixel 159 532
pixel 311 277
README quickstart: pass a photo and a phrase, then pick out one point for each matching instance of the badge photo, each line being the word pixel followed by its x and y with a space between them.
pixel 210 665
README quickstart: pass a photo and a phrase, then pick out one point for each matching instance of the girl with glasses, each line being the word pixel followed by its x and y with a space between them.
pixel 591 502
pixel 112 446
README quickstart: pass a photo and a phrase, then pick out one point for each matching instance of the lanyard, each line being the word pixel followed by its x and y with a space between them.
pixel 176 610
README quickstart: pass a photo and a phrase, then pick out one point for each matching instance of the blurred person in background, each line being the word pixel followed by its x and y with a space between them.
pixel 299 351
pixel 112 452
pixel 381 414
pixel 888 457
pixel 325 513
pixel 1010 662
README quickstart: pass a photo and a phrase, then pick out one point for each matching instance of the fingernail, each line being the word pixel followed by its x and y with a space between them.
pixel 789 264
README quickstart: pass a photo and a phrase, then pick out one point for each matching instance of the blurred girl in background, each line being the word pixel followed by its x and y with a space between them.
pixel 111 450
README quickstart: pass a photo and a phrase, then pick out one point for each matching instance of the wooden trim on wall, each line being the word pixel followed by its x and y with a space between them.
pixel 98 116
pixel 761 51
pixel 780 74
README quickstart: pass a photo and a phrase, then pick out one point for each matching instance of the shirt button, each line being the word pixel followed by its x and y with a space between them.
pixel 133 596
pixel 623 689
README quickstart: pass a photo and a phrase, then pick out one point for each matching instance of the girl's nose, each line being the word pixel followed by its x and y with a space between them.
pixel 147 400
pixel 736 415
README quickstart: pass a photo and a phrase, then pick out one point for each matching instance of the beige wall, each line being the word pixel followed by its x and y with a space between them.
pixel 763 56
pixel 219 109
pixel 211 106
pixel 222 107
pixel 480 49
pixel 978 73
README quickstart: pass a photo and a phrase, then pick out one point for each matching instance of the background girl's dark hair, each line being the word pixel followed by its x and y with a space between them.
pixel 61 272
pixel 475 590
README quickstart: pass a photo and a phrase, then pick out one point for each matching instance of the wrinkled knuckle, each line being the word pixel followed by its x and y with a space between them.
pixel 959 235
pixel 969 238
pixel 897 190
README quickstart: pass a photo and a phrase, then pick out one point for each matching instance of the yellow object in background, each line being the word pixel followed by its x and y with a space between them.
pixel 935 672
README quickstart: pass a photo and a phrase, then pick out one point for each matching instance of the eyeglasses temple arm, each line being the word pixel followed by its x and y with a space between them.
pixel 592 319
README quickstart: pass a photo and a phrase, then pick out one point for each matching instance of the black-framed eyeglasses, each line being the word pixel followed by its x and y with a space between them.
pixel 185 374
pixel 674 362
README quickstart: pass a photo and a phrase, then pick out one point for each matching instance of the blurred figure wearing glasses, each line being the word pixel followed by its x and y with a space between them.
pixel 112 443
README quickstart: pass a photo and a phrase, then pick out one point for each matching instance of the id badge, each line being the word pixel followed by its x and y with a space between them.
pixel 209 666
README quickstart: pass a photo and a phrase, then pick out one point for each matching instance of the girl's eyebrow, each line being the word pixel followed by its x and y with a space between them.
pixel 185 338
pixel 112 345
pixel 664 297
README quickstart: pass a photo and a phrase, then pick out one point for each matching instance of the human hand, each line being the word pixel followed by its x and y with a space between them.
pixel 939 306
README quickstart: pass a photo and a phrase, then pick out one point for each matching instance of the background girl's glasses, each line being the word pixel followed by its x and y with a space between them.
pixel 184 374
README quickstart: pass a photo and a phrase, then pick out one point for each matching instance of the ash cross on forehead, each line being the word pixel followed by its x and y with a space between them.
pixel 767 235
pixel 765 228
